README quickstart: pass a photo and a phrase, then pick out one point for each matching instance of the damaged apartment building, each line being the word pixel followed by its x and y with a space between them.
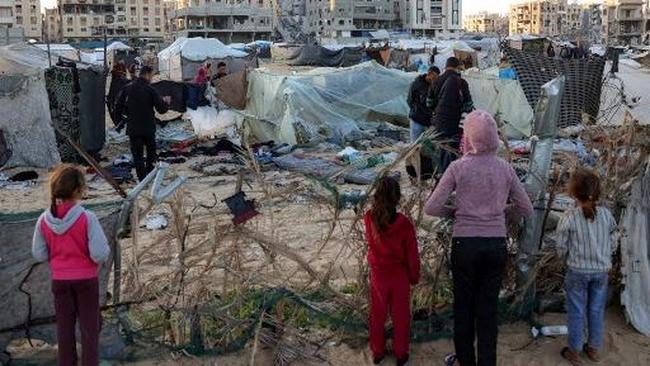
pixel 227 20
pixel 624 22
pixel 20 18
pixel 300 20
pixel 90 20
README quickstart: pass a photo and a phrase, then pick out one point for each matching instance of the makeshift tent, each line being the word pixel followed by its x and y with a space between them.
pixel 24 107
pixel 325 103
pixel 61 50
pixel 282 51
pixel 181 60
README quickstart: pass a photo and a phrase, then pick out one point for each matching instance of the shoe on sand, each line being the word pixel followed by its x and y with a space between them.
pixel 571 356
pixel 592 353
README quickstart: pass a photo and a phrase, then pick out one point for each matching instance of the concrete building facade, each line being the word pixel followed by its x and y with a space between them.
pixel 227 20
pixel 52 25
pixel 485 22
pixel 83 20
pixel 435 18
pixel 624 21
pixel 24 14
pixel 540 17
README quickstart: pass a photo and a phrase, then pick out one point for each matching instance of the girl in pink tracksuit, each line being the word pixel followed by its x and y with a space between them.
pixel 72 240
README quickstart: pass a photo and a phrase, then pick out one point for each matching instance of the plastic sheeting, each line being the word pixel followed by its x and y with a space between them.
pixel 92 110
pixel 208 122
pixel 324 103
pixel 313 55
pixel 503 98
pixel 635 254
pixel 25 108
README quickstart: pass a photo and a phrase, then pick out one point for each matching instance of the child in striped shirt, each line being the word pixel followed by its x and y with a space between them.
pixel 586 239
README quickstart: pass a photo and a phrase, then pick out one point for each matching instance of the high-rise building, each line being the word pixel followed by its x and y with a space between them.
pixel 435 18
pixel 83 20
pixel 52 25
pixel 623 21
pixel 485 22
pixel 24 14
pixel 539 17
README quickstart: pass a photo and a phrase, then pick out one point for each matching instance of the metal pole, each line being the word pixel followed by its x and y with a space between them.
pixel 105 41
pixel 49 55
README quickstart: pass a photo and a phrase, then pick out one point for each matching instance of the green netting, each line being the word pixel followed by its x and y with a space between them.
pixel 427 325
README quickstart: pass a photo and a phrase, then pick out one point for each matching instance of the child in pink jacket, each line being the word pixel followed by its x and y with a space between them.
pixel 72 240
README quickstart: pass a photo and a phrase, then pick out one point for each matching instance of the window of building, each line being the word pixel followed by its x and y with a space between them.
pixel 134 21
pixel 19 20
pixel 133 10
pixel 68 20
pixel 19 9
pixel 95 21
pixel 145 21
pixel 145 11
pixel 146 30
pixel 157 21
pixel 157 11
pixel 83 29
pixel 70 30
pixel 120 8
pixel 121 18
pixel 341 22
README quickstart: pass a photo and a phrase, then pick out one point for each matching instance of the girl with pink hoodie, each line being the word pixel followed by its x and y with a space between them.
pixel 486 189
pixel 72 240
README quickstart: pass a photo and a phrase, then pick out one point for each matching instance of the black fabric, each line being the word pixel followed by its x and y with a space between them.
pixel 62 84
pixel 176 90
pixel 92 112
pixel 477 267
pixel 5 152
pixel 135 107
pixel 117 84
pixel 417 101
pixel 447 96
pixel 314 55
pixel 426 168
pixel 24 176
pixel 138 145
pixel 195 96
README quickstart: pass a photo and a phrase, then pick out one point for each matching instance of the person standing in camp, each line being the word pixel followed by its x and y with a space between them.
pixel 72 240
pixel 394 266
pixel 202 75
pixel 419 113
pixel 449 98
pixel 586 240
pixel 118 81
pixel 486 189
pixel 135 109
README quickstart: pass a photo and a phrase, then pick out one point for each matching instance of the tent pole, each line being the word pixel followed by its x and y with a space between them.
pixel 49 55
pixel 105 41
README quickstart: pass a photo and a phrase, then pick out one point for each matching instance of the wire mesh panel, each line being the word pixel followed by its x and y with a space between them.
pixel 584 80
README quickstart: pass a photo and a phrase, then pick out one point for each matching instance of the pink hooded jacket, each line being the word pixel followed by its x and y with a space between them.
pixel 483 184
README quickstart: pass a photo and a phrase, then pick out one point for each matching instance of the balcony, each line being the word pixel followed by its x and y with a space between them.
pixel 6 20
pixel 6 3
pixel 216 10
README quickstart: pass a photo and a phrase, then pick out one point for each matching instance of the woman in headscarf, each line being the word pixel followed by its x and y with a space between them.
pixel 486 189
pixel 118 81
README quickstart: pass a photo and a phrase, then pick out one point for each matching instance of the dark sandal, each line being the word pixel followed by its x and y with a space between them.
pixel 571 356
pixel 450 359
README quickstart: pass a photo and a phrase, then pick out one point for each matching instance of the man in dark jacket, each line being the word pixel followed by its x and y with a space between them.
pixel 449 97
pixel 135 108
pixel 419 113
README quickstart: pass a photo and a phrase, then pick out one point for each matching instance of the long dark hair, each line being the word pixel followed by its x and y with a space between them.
pixel 65 182
pixel 584 185
pixel 385 200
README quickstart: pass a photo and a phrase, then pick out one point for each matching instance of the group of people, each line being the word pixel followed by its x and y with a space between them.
pixel 480 192
pixel 486 193
pixel 440 101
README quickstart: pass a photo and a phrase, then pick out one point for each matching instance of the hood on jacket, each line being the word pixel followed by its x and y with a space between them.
pixel 61 225
pixel 401 222
pixel 480 136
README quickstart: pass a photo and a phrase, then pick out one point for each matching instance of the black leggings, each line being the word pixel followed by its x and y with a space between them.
pixel 477 265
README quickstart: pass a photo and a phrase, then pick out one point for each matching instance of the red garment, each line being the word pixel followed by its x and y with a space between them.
pixel 394 265
pixel 69 255
pixel 201 77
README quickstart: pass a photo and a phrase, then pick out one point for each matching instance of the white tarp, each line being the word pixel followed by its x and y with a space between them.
pixel 635 254
pixel 209 122
pixel 503 98
pixel 198 49
pixel 117 45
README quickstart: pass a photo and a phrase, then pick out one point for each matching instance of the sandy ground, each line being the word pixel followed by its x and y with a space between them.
pixel 623 347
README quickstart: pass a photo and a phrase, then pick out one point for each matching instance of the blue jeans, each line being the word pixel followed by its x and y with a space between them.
pixel 586 295
pixel 416 129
